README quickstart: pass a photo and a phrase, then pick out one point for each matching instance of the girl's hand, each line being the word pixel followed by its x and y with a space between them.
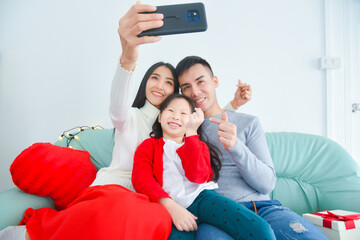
pixel 181 217
pixel 130 25
pixel 195 120
pixel 242 95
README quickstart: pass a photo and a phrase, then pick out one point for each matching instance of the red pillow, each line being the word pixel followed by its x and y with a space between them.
pixel 61 173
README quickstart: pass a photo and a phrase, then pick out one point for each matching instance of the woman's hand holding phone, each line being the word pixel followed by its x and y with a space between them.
pixel 132 24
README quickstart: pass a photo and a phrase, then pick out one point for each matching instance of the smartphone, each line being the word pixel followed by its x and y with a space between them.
pixel 179 18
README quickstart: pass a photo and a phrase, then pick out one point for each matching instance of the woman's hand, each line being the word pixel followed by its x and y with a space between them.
pixel 242 95
pixel 130 25
pixel 181 217
pixel 195 120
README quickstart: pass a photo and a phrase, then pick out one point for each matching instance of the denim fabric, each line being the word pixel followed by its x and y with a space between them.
pixel 209 232
pixel 285 223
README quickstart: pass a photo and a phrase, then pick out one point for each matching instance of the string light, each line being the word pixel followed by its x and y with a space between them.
pixel 73 134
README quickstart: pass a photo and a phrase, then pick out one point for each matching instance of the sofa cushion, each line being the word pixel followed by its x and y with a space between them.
pixel 48 170
pixel 14 202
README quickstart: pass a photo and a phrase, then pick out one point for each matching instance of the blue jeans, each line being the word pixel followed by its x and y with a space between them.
pixel 285 223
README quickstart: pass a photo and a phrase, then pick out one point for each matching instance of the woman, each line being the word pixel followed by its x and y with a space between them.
pixel 108 209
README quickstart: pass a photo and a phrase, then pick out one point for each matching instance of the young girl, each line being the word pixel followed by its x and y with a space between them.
pixel 175 168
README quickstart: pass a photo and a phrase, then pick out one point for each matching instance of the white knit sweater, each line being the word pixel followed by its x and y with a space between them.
pixel 132 126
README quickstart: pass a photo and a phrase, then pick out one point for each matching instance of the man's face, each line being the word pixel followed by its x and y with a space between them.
pixel 199 84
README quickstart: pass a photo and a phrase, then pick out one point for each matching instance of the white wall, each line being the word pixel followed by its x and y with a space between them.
pixel 57 59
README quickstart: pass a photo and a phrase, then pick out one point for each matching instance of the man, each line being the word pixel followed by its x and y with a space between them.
pixel 247 175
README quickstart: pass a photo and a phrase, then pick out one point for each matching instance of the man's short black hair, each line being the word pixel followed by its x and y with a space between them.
pixel 190 61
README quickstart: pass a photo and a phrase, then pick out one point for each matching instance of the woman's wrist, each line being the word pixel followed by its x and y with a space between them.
pixel 126 64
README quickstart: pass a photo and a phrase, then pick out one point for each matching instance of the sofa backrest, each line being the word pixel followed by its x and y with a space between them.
pixel 99 143
pixel 312 171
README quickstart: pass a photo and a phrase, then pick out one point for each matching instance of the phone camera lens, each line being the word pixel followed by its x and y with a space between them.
pixel 192 16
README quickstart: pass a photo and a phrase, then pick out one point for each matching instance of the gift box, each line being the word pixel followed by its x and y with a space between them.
pixel 337 224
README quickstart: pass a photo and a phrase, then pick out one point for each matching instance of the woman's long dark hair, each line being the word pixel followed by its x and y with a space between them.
pixel 158 133
pixel 141 94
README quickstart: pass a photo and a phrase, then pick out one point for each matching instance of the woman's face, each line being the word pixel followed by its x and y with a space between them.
pixel 159 86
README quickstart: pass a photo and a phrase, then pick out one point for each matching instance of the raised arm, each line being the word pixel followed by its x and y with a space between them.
pixel 194 154
pixel 121 98
pixel 130 25
pixel 242 95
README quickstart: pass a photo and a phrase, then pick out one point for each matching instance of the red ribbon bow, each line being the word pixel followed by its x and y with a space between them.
pixel 347 219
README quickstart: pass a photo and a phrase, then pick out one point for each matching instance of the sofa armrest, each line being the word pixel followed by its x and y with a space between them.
pixel 14 202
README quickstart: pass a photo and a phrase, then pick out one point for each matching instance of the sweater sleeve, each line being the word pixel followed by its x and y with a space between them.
pixel 143 172
pixel 229 107
pixel 195 159
pixel 121 98
pixel 254 160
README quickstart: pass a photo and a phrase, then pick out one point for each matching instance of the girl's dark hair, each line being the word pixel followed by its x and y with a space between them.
pixel 141 94
pixel 158 133
pixel 190 61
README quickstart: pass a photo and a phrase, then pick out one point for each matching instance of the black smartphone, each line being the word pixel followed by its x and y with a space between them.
pixel 180 18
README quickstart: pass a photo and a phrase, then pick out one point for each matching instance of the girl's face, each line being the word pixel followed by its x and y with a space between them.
pixel 174 118
pixel 159 85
